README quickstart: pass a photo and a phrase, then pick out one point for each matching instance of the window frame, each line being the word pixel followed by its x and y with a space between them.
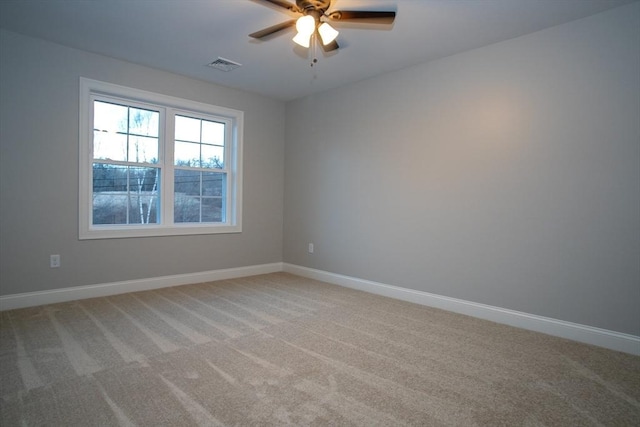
pixel 169 107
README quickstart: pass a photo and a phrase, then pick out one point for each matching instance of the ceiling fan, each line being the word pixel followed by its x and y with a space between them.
pixel 313 22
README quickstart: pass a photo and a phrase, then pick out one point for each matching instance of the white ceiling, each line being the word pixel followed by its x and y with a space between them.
pixel 182 36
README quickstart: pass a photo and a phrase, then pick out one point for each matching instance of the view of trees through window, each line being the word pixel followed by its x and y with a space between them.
pixel 127 174
pixel 199 193
pixel 125 194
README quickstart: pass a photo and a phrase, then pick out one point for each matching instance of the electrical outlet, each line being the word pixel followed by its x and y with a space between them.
pixel 54 261
pixel 310 248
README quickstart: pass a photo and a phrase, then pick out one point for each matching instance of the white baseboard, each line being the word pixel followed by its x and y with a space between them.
pixel 560 328
pixel 30 299
pixel 587 334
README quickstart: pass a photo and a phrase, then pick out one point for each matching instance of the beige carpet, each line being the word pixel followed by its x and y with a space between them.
pixel 279 349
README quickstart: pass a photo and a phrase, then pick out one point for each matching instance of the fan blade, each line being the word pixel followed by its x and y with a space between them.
pixel 273 29
pixel 369 16
pixel 330 47
pixel 284 4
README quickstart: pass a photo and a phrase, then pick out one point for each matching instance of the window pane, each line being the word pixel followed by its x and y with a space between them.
pixel 109 117
pixel 107 178
pixel 212 156
pixel 199 143
pixel 109 194
pixel 187 129
pixel 186 208
pixel 212 209
pixel 187 154
pixel 144 122
pixel 186 183
pixel 109 146
pixel 143 195
pixel 125 195
pixel 212 132
pixel 113 124
pixel 109 208
pixel 143 149
pixel 143 179
pixel 189 206
pixel 213 184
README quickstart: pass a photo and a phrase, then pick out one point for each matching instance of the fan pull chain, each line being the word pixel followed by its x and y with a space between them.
pixel 314 50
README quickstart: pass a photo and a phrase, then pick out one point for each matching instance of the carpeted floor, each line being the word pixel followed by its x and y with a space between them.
pixel 279 349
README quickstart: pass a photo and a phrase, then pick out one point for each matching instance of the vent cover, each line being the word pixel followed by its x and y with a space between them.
pixel 224 64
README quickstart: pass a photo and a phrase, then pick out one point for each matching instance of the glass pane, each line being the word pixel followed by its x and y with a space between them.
pixel 109 178
pixel 144 122
pixel 109 209
pixel 109 194
pixel 144 179
pixel 186 208
pixel 109 117
pixel 187 154
pixel 212 132
pixel 187 129
pixel 186 183
pixel 143 195
pixel 125 195
pixel 143 149
pixel 211 209
pixel 212 156
pixel 213 184
pixel 109 146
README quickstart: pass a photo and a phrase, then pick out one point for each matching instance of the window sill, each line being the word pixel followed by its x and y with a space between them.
pixel 124 232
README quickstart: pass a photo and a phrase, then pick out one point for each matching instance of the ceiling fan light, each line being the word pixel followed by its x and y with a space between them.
pixel 306 25
pixel 303 40
pixel 327 33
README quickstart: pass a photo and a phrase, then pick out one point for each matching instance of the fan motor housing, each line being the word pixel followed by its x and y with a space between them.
pixel 322 5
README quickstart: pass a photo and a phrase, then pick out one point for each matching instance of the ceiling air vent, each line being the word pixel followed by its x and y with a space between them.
pixel 224 64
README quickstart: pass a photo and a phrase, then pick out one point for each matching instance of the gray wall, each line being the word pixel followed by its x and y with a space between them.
pixel 39 84
pixel 508 175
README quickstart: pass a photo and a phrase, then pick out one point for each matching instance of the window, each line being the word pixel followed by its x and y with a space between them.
pixel 153 165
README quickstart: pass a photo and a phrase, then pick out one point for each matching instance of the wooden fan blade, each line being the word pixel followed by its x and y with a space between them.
pixel 284 4
pixel 273 29
pixel 365 16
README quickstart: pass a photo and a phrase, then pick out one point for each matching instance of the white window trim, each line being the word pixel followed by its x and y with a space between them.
pixel 235 118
